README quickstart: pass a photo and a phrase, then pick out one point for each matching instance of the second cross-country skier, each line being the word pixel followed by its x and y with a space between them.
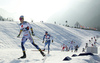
pixel 47 39
pixel 25 27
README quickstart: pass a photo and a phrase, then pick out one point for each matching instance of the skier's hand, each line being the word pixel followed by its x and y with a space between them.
pixel 33 34
pixel 52 40
pixel 18 36
pixel 43 42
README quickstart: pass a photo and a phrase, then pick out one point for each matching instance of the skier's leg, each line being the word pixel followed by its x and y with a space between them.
pixel 72 49
pixel 23 42
pixel 23 48
pixel 48 47
pixel 45 45
pixel 32 41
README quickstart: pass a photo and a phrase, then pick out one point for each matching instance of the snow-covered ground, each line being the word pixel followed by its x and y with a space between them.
pixel 10 48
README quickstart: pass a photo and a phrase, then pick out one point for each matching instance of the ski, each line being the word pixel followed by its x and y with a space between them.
pixel 21 58
pixel 44 59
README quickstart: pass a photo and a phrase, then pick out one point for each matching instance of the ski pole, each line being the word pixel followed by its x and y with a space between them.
pixel 38 37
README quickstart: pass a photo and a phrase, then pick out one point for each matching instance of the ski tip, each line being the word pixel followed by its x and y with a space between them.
pixel 44 58
pixel 18 58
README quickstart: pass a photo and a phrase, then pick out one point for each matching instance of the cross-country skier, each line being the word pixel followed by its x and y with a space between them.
pixel 25 27
pixel 92 42
pixel 47 39
pixel 64 46
pixel 71 45
pixel 86 45
pixel 83 50
pixel 76 48
pixel 95 42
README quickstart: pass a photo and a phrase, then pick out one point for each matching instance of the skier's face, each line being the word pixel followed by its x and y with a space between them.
pixel 46 33
pixel 21 20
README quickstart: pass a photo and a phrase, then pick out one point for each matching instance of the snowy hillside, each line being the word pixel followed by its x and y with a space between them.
pixel 10 45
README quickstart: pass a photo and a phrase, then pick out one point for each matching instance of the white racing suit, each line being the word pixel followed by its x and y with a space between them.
pixel 25 27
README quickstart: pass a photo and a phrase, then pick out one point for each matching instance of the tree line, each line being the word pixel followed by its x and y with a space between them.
pixel 6 19
pixel 79 26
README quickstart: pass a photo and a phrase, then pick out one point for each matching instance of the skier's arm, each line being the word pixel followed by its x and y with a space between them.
pixel 43 38
pixel 19 33
pixel 32 31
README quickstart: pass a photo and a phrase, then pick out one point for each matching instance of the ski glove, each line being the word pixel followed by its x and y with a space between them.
pixel 43 42
pixel 52 40
pixel 33 34
pixel 18 35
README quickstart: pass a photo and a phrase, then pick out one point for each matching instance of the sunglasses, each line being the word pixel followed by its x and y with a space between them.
pixel 21 18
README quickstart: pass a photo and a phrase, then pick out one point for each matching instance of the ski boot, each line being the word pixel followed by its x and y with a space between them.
pixel 42 53
pixel 24 56
pixel 43 50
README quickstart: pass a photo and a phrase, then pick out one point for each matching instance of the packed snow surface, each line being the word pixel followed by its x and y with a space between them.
pixel 10 45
